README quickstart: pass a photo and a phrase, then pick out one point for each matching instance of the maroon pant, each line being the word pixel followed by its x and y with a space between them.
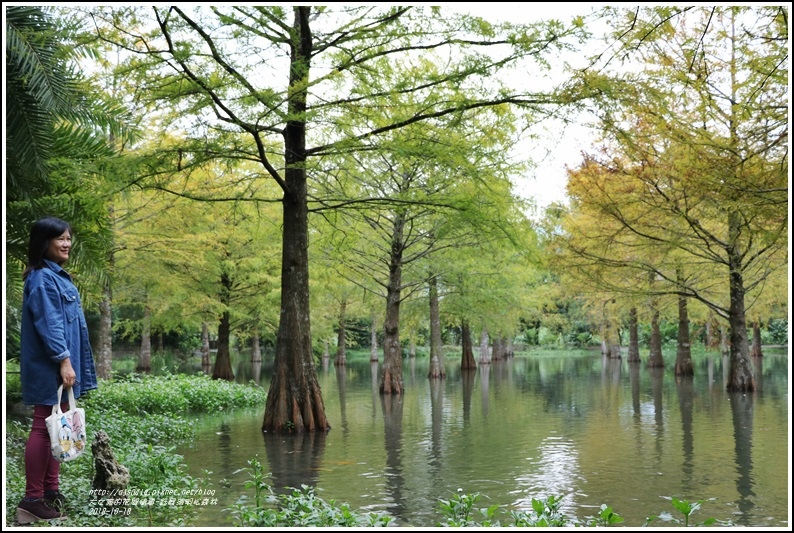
pixel 41 468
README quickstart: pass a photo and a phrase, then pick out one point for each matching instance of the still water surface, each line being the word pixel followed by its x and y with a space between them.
pixel 590 430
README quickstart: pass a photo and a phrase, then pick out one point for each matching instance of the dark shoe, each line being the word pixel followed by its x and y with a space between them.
pixel 29 511
pixel 55 499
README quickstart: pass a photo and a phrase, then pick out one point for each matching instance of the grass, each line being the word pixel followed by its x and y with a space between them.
pixel 145 419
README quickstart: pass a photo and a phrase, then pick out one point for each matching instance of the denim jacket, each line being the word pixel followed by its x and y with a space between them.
pixel 53 328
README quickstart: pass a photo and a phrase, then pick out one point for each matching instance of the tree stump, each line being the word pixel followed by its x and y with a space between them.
pixel 111 476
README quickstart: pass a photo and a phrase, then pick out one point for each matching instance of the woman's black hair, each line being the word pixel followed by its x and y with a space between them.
pixel 41 232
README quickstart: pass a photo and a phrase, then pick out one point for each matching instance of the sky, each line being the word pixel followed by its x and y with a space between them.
pixel 556 146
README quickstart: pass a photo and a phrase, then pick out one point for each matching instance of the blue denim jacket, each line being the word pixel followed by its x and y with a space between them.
pixel 53 328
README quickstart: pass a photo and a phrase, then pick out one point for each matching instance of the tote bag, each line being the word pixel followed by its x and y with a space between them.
pixel 67 430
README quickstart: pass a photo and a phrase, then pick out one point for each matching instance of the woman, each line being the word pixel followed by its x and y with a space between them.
pixel 55 351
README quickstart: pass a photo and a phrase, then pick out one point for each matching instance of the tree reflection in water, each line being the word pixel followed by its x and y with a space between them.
pixel 294 458
pixel 742 409
pixel 392 406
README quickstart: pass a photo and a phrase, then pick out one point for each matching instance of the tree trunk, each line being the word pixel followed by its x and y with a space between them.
pixel 223 359
pixel 256 351
pixel 105 352
pixel 683 358
pixel 392 378
pixel 634 338
pixel 326 354
pixel 610 344
pixel 757 352
pixel 145 357
pixel 294 400
pixel 655 359
pixel 373 340
pixel 467 356
pixel 341 342
pixel 500 348
pixel 484 355
pixel 412 348
pixel 712 333
pixel 605 333
pixel 724 346
pixel 205 348
pixel 740 371
pixel 436 370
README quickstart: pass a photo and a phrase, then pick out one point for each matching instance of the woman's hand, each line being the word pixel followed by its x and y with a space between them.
pixel 67 373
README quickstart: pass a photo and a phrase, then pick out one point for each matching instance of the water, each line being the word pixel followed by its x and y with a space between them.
pixel 594 432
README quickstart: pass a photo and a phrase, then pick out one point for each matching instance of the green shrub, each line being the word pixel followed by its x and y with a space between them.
pixel 175 394
pixel 145 445
pixel 13 384
pixel 300 508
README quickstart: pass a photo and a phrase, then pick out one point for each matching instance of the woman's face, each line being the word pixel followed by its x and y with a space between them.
pixel 58 251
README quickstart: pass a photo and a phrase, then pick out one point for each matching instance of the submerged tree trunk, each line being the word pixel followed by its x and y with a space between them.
pixel 436 370
pixel 655 359
pixel 105 352
pixel 634 338
pixel 740 370
pixel 205 348
pixel 610 343
pixel 683 358
pixel 757 352
pixel 145 357
pixel 484 355
pixel 392 377
pixel 373 339
pixel 294 400
pixel 223 358
pixel 341 339
pixel 467 356
pixel 712 333
pixel 496 352
pixel 509 349
pixel 256 351
pixel 724 343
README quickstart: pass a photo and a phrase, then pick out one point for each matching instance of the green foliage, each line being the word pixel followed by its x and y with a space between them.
pixel 173 394
pixel 300 508
pixel 145 445
pixel 579 334
pixel 776 332
pixel 686 508
pixel 545 513
pixel 606 518
pixel 459 511
pixel 58 137
pixel 667 329
pixel 548 338
pixel 13 388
